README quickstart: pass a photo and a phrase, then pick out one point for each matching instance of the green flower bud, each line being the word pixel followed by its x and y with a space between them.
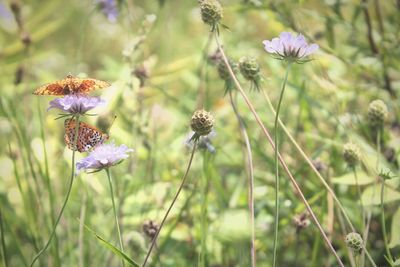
pixel 211 12
pixel 377 113
pixel 351 154
pixel 355 242
pixel 202 122
pixel 223 71
pixel 249 68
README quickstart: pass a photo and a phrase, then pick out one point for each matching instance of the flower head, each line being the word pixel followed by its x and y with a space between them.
pixel 351 154
pixel 354 241
pixel 290 47
pixel 103 156
pixel 109 8
pixel 224 74
pixel 377 113
pixel 250 69
pixel 76 104
pixel 211 13
pixel 202 123
pixel 204 142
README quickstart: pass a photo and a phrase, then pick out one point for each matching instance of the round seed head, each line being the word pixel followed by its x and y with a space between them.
pixel 377 113
pixel 249 68
pixel 150 229
pixel 351 154
pixel 355 242
pixel 202 122
pixel 223 71
pixel 211 12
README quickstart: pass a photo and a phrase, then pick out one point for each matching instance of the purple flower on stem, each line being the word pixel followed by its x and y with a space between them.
pixel 290 47
pixel 103 156
pixel 76 104
pixel 109 8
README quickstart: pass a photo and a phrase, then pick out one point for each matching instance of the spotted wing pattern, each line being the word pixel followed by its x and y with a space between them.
pixel 88 136
pixel 71 85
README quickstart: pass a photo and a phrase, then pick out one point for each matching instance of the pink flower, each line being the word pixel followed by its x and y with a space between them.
pixel 76 104
pixel 290 47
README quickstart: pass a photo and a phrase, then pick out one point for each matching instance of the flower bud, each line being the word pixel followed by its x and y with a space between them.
pixel 150 229
pixel 211 12
pixel 377 113
pixel 351 154
pixel 223 71
pixel 355 242
pixel 202 122
pixel 249 68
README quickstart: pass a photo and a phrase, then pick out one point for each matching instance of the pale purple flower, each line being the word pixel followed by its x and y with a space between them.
pixel 204 142
pixel 109 8
pixel 103 156
pixel 290 47
pixel 76 104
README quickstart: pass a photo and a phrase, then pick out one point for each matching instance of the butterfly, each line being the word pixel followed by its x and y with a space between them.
pixel 71 85
pixel 88 136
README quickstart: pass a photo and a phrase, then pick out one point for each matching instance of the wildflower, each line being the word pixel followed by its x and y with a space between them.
pixel 150 228
pixel 205 141
pixel 351 154
pixel 377 113
pixel 109 8
pixel 251 71
pixel 224 74
pixel 76 104
pixel 301 221
pixel 201 123
pixel 355 242
pixel 290 47
pixel 211 13
pixel 104 156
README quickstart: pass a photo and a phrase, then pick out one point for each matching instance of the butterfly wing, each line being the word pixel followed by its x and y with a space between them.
pixel 88 136
pixel 71 85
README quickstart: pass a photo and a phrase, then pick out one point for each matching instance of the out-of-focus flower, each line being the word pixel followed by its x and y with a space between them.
pixel 103 156
pixel 109 8
pixel 290 47
pixel 205 141
pixel 301 221
pixel 150 228
pixel 224 74
pixel 377 113
pixel 211 13
pixel 76 104
pixel 250 69
pixel 351 154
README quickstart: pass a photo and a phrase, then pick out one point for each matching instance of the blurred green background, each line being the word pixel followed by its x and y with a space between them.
pixel 155 55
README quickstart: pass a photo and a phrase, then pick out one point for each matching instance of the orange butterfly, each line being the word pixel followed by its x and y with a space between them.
pixel 88 136
pixel 71 85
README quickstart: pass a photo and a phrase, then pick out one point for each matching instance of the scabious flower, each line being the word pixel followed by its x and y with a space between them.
pixel 224 74
pixel 211 13
pixel 250 69
pixel 354 242
pixel 109 8
pixel 202 123
pixel 377 113
pixel 290 47
pixel 103 156
pixel 204 142
pixel 351 154
pixel 76 104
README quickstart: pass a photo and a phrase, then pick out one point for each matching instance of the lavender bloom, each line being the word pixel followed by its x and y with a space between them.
pixel 109 8
pixel 290 47
pixel 103 156
pixel 75 104
pixel 205 141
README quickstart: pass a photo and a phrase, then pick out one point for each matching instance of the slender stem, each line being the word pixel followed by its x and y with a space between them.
pixel 385 239
pixel 311 165
pixel 121 245
pixel 285 167
pixel 3 242
pixel 276 229
pixel 82 217
pixel 359 197
pixel 203 218
pixel 66 198
pixel 153 242
pixel 251 177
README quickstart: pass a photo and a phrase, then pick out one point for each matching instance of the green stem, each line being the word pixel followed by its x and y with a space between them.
pixel 277 165
pixel 121 246
pixel 172 204
pixel 66 198
pixel 385 239
pixel 3 242
pixel 203 218
pixel 359 197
